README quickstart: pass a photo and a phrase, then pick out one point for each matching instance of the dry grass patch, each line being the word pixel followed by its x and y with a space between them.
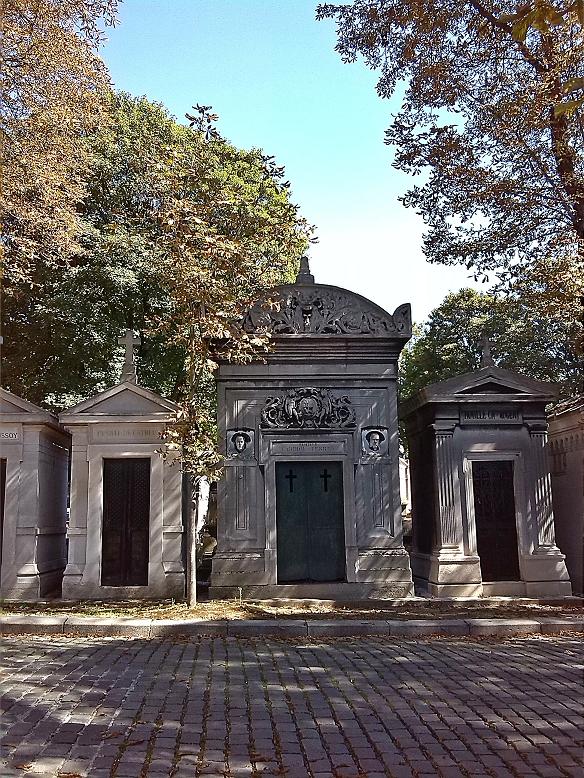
pixel 303 609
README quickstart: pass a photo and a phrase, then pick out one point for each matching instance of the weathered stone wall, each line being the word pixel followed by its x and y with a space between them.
pixel 327 384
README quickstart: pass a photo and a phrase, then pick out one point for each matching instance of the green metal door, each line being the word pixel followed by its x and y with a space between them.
pixel 309 521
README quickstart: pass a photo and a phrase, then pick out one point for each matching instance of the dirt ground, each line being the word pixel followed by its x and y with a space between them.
pixel 492 608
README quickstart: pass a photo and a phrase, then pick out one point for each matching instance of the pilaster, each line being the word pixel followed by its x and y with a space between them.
pixel 449 534
pixel 544 515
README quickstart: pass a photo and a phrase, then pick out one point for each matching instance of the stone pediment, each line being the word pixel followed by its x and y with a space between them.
pixel 489 383
pixel 492 387
pixel 319 309
pixel 15 408
pixel 12 403
pixel 124 400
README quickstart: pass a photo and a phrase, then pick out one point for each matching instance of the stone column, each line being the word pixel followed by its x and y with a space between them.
pixel 449 525
pixel 446 570
pixel 543 492
pixel 77 531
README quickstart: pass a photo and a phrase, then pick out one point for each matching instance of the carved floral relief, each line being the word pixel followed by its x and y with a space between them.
pixel 308 408
pixel 318 310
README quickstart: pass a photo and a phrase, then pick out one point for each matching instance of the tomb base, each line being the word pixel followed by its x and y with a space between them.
pixel 173 587
pixel 375 573
pixel 447 575
pixel 343 592
pixel 385 568
pixel 35 586
pixel 232 569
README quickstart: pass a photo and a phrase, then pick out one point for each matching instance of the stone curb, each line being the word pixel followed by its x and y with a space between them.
pixel 290 628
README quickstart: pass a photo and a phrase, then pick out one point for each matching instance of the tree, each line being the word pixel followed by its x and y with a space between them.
pixel 229 233
pixel 61 333
pixel 52 87
pixel 450 342
pixel 491 121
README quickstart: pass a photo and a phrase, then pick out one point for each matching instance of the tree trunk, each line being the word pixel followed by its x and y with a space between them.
pixel 190 523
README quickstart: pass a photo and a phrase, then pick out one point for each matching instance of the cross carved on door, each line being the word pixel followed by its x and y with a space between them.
pixel 325 475
pixel 290 478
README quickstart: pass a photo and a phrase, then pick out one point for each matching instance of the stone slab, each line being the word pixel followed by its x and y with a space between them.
pixel 553 626
pixel 114 627
pixel 273 627
pixel 33 625
pixel 502 627
pixel 424 627
pixel 162 627
pixel 145 628
pixel 346 627
pixel 338 592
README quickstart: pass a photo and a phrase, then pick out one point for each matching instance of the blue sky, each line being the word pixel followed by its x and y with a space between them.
pixel 271 73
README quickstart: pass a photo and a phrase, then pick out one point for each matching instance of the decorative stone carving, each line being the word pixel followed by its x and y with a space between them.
pixel 449 530
pixel 373 443
pixel 240 444
pixel 322 310
pixel 308 408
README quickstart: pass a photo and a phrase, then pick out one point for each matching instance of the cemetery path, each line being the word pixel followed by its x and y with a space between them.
pixel 347 708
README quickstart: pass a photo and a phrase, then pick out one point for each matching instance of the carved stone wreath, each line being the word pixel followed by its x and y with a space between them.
pixel 318 310
pixel 308 408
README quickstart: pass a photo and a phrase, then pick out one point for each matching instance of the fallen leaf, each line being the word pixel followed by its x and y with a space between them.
pixel 108 735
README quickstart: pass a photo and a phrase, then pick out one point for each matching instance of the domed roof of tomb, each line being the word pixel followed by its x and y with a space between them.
pixel 308 308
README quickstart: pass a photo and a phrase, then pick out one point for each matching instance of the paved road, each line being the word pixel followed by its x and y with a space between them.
pixel 344 708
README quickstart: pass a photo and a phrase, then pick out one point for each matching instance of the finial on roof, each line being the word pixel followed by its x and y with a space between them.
pixel 486 356
pixel 129 340
pixel 304 275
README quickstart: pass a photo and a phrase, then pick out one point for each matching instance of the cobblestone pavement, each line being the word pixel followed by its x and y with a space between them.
pixel 344 708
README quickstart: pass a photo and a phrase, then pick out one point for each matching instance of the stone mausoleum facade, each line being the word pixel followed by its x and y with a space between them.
pixel 567 463
pixel 34 457
pixel 483 522
pixel 310 501
pixel 125 526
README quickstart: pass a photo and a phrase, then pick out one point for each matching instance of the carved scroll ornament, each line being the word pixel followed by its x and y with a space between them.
pixel 321 311
pixel 308 408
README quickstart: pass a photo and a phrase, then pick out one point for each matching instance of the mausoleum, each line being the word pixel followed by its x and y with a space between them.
pixel 567 463
pixel 310 501
pixel 33 499
pixel 482 513
pixel 125 527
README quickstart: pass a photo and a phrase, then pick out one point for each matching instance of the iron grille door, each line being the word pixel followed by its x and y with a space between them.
pixel 496 528
pixel 2 504
pixel 126 522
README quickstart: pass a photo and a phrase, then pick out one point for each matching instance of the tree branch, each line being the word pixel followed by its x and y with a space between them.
pixel 490 17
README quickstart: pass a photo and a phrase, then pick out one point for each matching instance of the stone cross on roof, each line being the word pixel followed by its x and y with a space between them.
pixel 129 340
pixel 486 356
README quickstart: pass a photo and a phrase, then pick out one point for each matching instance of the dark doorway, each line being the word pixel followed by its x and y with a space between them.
pixel 126 522
pixel 494 501
pixel 2 503
pixel 309 521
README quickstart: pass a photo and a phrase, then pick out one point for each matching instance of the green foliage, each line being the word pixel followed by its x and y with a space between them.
pixel 449 343
pixel 491 125
pixel 61 330
pixel 228 232
pixel 52 95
